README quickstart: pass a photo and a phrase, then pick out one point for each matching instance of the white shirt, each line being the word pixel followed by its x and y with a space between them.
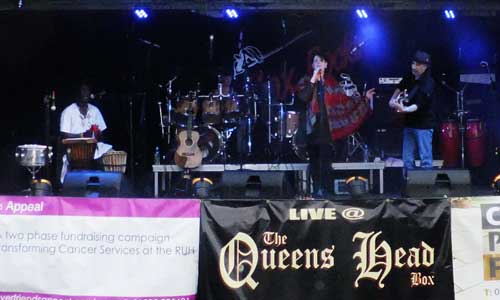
pixel 74 122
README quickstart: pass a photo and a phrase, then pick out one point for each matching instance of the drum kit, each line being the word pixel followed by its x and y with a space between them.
pixel 228 124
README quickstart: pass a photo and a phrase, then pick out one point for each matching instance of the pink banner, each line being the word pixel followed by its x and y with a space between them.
pixel 100 207
pixel 37 296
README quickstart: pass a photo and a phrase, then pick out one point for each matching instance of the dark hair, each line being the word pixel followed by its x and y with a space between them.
pixel 320 54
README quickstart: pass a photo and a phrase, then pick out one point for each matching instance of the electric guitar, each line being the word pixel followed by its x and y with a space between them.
pixel 188 155
pixel 401 99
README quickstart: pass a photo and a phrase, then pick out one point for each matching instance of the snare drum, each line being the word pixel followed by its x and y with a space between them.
pixel 80 152
pixel 115 161
pixel 33 155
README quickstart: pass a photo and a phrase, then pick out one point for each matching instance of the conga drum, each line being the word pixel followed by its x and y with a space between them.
pixel 475 142
pixel 80 152
pixel 115 161
pixel 450 143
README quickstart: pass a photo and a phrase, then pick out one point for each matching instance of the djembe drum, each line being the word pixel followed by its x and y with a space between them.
pixel 80 152
pixel 115 161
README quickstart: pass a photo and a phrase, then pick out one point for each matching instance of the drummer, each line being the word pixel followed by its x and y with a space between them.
pixel 83 120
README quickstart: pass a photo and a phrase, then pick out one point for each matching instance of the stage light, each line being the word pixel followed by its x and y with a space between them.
pixel 362 13
pixel 202 186
pixel 357 185
pixel 141 13
pixel 496 184
pixel 449 14
pixel 231 13
pixel 41 187
pixel 20 4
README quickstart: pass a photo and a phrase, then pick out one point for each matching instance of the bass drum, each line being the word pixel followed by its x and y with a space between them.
pixel 210 143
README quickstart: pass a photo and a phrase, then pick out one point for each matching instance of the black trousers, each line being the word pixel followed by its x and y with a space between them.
pixel 320 167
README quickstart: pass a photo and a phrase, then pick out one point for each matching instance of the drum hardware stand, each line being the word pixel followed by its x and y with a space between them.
pixel 169 110
pixel 48 107
pixel 282 125
pixel 269 119
pixel 225 137
pixel 354 143
pixel 461 120
pixel 251 116
pixel 460 113
pixel 162 126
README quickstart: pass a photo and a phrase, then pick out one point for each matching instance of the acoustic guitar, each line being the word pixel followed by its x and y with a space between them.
pixel 188 155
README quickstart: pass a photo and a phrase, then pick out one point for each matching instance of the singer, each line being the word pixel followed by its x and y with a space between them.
pixel 419 121
pixel 321 93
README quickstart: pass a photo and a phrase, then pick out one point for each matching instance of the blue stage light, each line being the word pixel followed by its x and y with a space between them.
pixel 449 14
pixel 231 13
pixel 141 13
pixel 362 13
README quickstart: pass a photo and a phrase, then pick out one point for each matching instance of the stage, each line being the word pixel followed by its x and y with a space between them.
pixel 162 173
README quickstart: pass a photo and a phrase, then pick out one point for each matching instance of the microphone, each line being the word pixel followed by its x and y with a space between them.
pixel 485 64
pixel 53 97
pixel 168 85
pixel 97 96
pixel 357 47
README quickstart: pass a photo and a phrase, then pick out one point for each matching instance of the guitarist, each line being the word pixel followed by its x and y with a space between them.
pixel 414 97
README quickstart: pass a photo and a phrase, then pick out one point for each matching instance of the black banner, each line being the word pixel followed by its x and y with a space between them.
pixel 392 249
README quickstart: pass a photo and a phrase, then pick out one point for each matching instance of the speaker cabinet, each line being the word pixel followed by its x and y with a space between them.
pixel 437 183
pixel 255 184
pixel 92 184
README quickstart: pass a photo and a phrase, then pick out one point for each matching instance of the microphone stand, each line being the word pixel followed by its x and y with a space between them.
pixel 269 129
pixel 46 102
pixel 322 120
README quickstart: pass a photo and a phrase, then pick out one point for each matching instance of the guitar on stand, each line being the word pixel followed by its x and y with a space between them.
pixel 188 154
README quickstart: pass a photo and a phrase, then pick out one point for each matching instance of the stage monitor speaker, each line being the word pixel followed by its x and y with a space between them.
pixel 437 183
pixel 92 184
pixel 255 184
